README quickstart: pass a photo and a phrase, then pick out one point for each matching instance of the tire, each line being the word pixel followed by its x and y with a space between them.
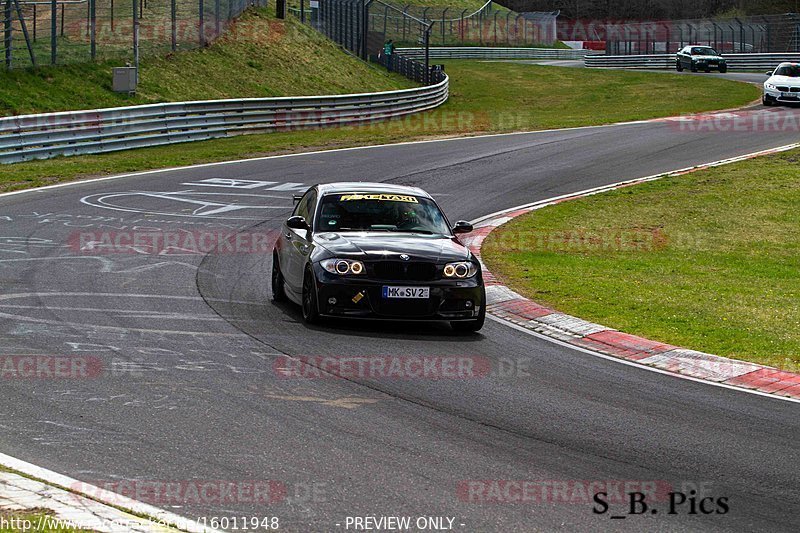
pixel 723 70
pixel 278 284
pixel 471 326
pixel 678 66
pixel 767 102
pixel 310 307
pixel 707 70
pixel 693 68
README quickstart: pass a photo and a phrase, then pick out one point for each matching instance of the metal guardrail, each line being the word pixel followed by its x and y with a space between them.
pixel 27 137
pixel 667 61
pixel 491 52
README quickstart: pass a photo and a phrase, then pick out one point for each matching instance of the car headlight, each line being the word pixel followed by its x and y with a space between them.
pixel 461 269
pixel 770 86
pixel 342 267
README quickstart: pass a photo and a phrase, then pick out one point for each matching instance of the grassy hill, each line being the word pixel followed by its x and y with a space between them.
pixel 259 57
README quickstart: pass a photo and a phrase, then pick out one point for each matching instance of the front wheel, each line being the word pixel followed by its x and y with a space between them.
pixel 278 284
pixel 693 68
pixel 766 101
pixel 723 70
pixel 310 307
pixel 678 66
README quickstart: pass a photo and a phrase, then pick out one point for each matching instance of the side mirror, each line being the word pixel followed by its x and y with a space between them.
pixel 297 222
pixel 462 226
pixel 769 73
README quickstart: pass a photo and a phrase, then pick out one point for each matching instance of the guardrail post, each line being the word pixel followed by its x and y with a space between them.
pixel 53 31
pixel 365 5
pixel 444 13
pixel 136 39
pixel 202 23
pixel 174 23
pixel 8 35
pixel 93 28
pixel 218 17
pixel 405 14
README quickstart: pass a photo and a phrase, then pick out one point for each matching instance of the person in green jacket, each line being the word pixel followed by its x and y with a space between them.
pixel 388 51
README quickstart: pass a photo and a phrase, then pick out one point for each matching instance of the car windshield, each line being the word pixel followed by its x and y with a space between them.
pixel 703 51
pixel 391 212
pixel 793 71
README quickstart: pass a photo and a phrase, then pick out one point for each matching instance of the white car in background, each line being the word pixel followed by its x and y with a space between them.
pixel 783 85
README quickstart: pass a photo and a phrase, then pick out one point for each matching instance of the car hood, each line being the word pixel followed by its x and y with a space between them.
pixel 784 80
pixel 381 245
pixel 707 57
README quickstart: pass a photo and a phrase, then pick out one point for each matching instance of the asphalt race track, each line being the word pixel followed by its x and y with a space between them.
pixel 190 349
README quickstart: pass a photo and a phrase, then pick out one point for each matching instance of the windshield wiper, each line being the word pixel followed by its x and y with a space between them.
pixel 420 231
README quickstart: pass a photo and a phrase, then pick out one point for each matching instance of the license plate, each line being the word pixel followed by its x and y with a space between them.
pixel 407 292
pixel 789 95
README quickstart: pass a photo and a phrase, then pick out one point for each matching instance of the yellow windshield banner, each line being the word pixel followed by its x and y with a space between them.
pixel 380 197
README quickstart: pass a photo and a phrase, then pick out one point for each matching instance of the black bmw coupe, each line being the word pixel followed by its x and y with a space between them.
pixel 377 251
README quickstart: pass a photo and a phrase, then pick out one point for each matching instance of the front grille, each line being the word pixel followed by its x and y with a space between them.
pixel 404 271
pixel 783 89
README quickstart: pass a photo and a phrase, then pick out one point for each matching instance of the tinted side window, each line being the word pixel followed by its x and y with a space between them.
pixel 310 205
pixel 301 209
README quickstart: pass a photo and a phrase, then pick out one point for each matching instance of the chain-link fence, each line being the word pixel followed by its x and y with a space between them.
pixel 759 34
pixel 449 26
pixel 354 25
pixel 42 32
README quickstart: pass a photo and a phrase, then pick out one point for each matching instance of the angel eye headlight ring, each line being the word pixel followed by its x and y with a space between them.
pixel 460 270
pixel 343 267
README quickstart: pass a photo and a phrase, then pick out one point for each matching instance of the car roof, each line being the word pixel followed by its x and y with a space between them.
pixel 363 186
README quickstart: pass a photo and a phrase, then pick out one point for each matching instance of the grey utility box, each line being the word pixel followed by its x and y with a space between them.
pixel 124 80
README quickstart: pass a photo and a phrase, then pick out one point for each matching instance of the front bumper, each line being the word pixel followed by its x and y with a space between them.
pixel 362 297
pixel 711 65
pixel 777 96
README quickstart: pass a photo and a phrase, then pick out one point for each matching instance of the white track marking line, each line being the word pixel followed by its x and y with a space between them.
pixel 103 496
pixel 335 150
pixel 636 365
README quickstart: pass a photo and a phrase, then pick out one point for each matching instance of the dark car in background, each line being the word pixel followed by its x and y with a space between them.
pixel 377 251
pixel 698 57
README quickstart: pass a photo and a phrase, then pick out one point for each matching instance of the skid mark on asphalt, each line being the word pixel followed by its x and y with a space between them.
pixel 347 402
pixel 72 306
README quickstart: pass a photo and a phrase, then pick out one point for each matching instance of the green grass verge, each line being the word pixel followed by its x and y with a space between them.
pixel 708 260
pixel 259 56
pixel 484 98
